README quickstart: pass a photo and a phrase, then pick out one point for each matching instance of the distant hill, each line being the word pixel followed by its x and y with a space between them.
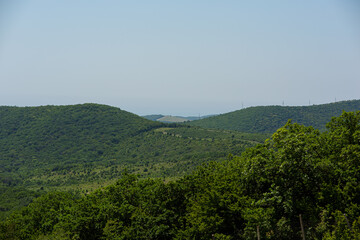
pixel 60 133
pixel 153 117
pixel 267 119
pixel 82 147
pixel 192 118
pixel 173 119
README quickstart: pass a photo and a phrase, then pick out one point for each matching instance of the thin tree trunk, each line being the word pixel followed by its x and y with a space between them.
pixel 302 227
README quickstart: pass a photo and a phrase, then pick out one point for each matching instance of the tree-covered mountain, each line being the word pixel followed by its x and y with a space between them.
pixel 83 147
pixel 300 184
pixel 267 119
pixel 57 133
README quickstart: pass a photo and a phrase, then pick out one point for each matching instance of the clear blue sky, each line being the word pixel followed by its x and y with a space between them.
pixel 179 57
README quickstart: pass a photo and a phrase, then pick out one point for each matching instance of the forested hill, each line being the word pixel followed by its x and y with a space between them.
pixel 82 147
pixel 267 119
pixel 82 131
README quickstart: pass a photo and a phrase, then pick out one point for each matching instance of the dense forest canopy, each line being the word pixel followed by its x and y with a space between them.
pixel 299 171
pixel 267 119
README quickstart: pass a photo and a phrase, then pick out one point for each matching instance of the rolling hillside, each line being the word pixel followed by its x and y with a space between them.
pixel 267 119
pixel 83 147
pixel 300 179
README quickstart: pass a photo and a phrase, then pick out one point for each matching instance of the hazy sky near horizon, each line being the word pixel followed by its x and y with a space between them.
pixel 179 57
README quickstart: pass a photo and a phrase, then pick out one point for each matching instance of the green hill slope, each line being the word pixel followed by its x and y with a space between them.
pixel 267 119
pixel 62 133
pixel 83 147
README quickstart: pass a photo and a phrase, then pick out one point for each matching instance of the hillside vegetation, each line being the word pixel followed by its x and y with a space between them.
pixel 301 178
pixel 83 147
pixel 267 119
